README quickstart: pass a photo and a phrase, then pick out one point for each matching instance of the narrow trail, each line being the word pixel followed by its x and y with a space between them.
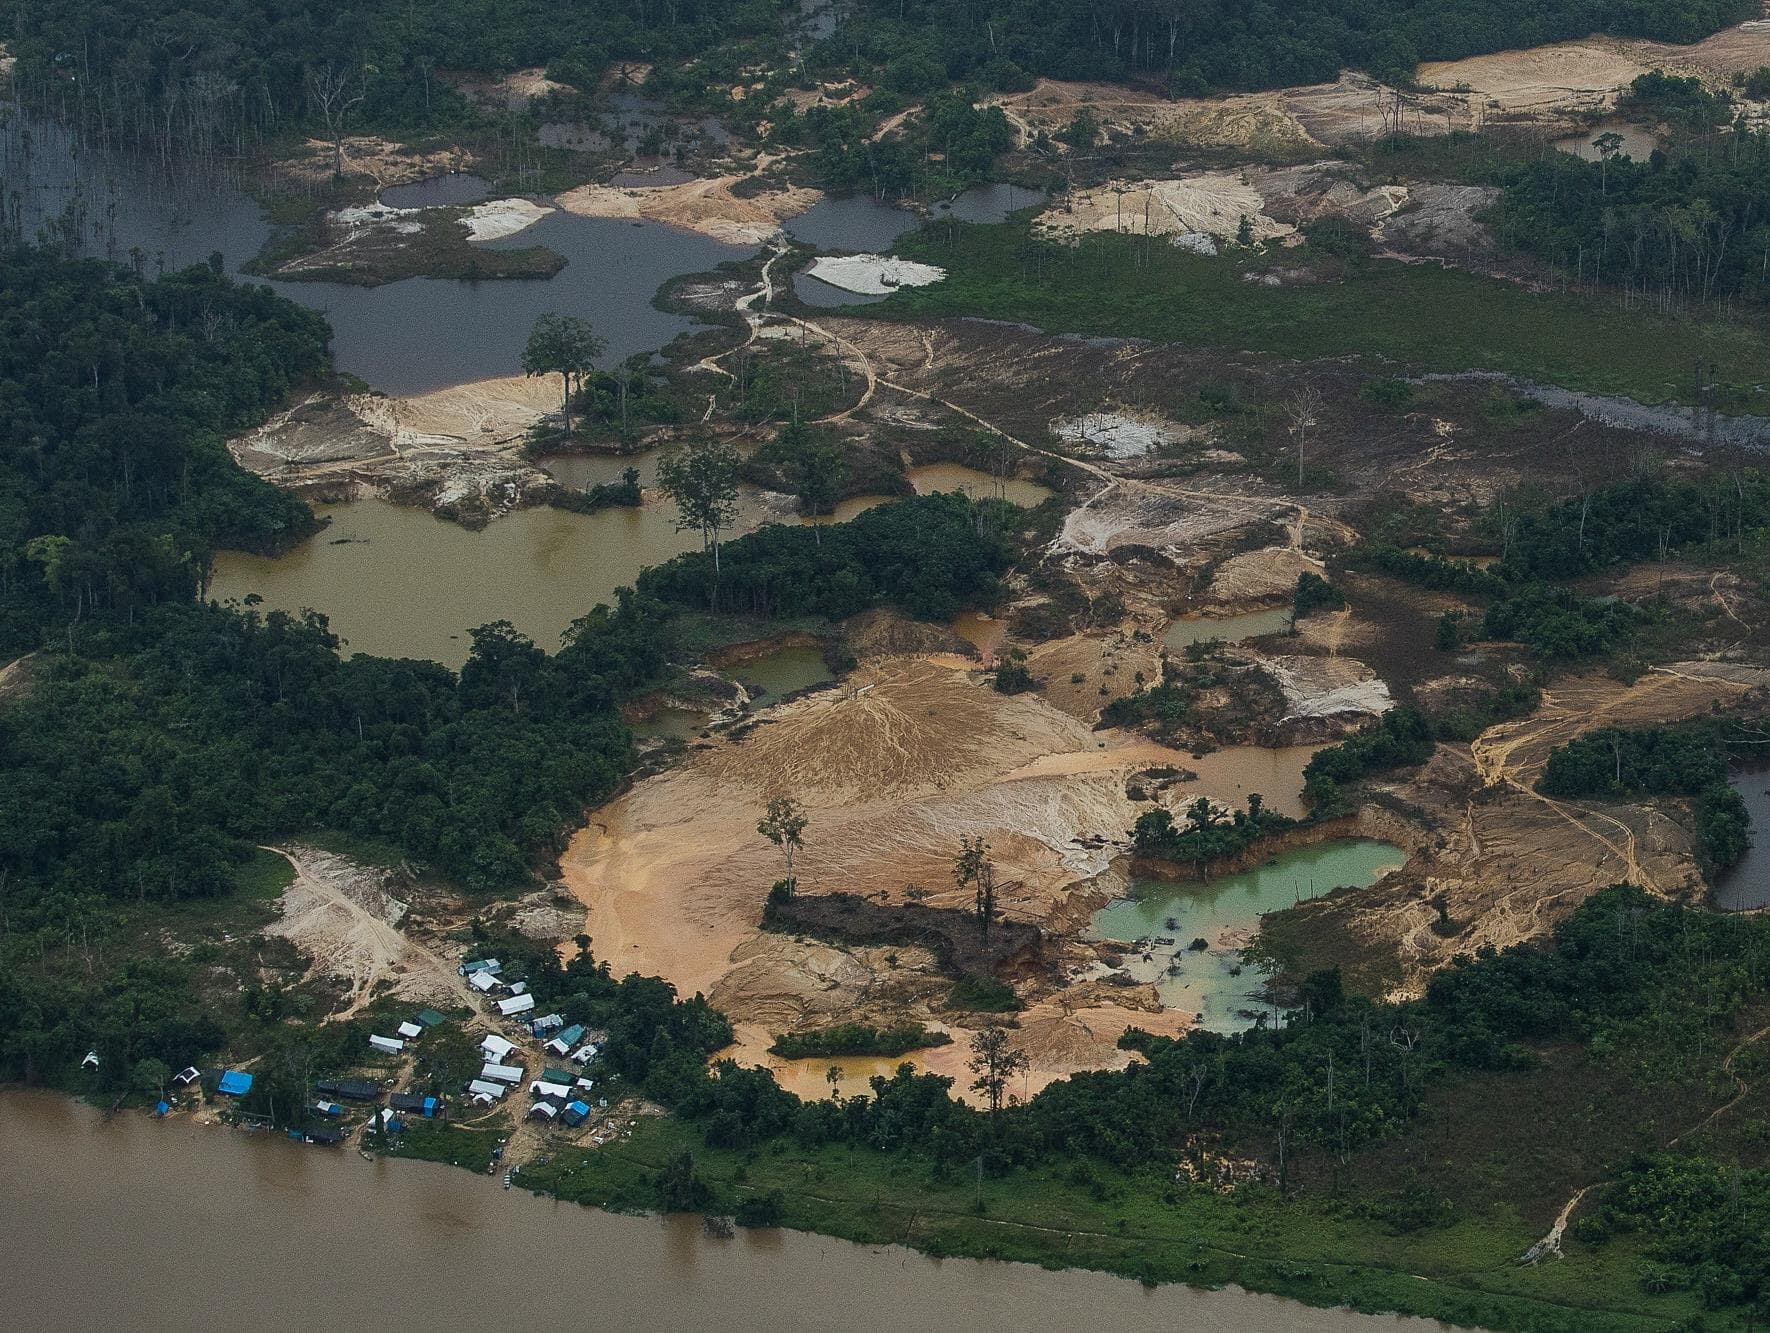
pixel 1493 753
pixel 1551 1242
pixel 388 945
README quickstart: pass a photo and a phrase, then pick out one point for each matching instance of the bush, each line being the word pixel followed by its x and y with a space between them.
pixel 761 1210
pixel 1315 593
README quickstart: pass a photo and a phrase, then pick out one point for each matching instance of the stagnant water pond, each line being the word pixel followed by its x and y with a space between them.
pixel 1231 629
pixel 1225 913
pixel 132 1223
pixel 1747 885
pixel 397 582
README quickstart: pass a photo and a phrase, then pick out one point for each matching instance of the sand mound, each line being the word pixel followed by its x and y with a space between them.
pixel 493 411
pixel 1563 77
pixel 1328 687
pixel 1211 204
pixel 707 206
pixel 872 275
pixel 502 217
pixel 342 916
pixel 1120 516
pixel 1268 576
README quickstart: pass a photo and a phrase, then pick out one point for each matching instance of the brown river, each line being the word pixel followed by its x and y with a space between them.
pixel 133 1223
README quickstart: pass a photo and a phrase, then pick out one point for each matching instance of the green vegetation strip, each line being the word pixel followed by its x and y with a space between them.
pixel 1418 316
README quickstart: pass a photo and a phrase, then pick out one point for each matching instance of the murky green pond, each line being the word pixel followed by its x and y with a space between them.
pixel 1225 913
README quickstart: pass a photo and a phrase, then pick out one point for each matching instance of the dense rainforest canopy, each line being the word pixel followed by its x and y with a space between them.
pixel 219 70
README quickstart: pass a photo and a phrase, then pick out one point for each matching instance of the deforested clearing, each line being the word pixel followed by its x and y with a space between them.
pixel 708 206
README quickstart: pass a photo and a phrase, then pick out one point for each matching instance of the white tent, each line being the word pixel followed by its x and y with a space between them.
pixel 390 1045
pixel 546 1110
pixel 482 981
pixel 541 1089
pixel 585 1053
pixel 495 1048
pixel 516 1004
pixel 480 1087
pixel 410 1030
pixel 502 1073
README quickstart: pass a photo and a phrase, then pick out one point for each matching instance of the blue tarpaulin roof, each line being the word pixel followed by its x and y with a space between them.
pixel 235 1083
pixel 160 1108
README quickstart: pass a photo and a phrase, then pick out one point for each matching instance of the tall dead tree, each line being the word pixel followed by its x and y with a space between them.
pixel 336 89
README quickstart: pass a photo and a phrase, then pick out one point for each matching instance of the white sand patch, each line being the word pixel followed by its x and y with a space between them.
pixel 502 217
pixel 371 215
pixel 1328 686
pixel 1212 204
pixel 873 275
pixel 1198 242
pixel 1116 434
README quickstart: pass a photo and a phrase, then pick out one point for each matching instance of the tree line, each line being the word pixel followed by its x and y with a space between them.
pixel 218 75
pixel 1689 223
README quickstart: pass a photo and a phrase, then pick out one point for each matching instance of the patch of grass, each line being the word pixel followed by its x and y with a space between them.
pixel 984 994
pixel 1417 316
pixel 264 877
pixel 369 851
pixel 431 1141
pixel 1141 1226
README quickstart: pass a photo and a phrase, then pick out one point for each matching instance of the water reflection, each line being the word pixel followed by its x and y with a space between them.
pixel 403 337
pixel 1747 885
pixel 459 187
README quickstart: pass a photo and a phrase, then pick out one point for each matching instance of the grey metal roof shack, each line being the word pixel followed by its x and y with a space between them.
pixel 349 1089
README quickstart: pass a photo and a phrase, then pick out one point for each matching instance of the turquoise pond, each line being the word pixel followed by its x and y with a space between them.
pixel 1225 913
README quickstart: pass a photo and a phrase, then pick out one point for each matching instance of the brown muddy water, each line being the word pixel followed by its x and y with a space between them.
pixel 133 1223
pixel 1230 629
pixel 397 582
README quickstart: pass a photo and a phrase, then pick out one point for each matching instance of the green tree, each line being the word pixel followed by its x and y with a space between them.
pixel 784 825
pixel 1083 130
pixel 994 1062
pixel 562 345
pixel 702 479
pixel 814 466
pixel 150 1076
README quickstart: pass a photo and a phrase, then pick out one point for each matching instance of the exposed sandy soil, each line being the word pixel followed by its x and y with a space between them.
pixel 1508 863
pixel 1552 85
pixel 457 450
pixel 15 677
pixel 1211 204
pixel 512 92
pixel 707 206
pixel 894 767
pixel 386 162
pixel 343 916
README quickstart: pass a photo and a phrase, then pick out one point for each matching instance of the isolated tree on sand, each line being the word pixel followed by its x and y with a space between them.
pixel 335 88
pixel 562 345
pixel 702 478
pixel 784 825
pixel 994 1062
pixel 973 867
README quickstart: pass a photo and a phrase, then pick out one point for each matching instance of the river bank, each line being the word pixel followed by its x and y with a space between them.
pixel 193 1242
